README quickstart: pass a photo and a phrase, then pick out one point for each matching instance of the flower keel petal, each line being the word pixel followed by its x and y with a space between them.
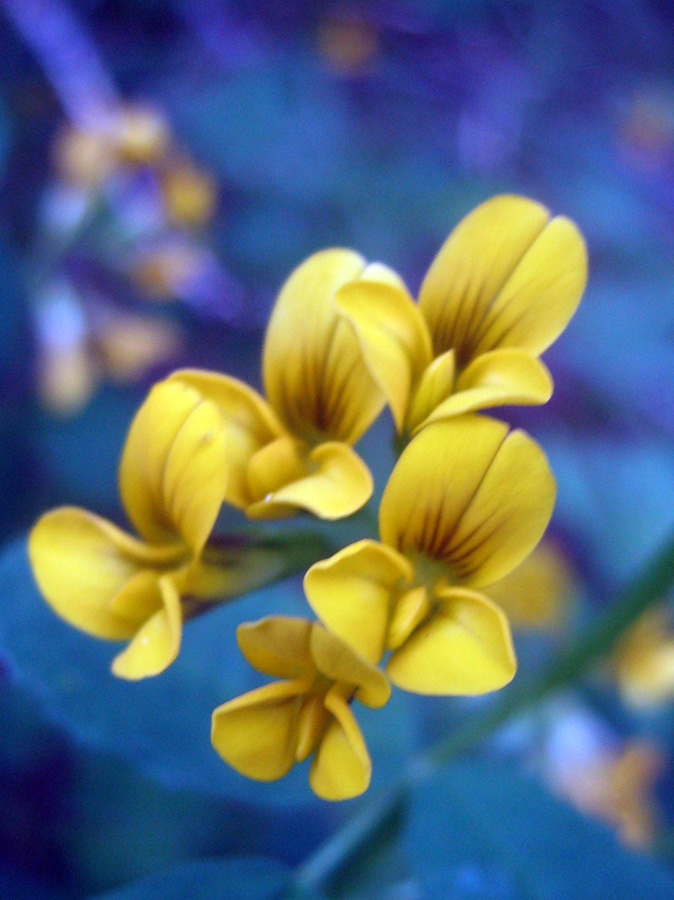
pixel 156 644
pixel 351 594
pixel 337 484
pixel 465 648
pixel 341 768
pixel 256 734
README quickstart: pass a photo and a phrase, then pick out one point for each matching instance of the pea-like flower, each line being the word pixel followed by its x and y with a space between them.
pixel 643 661
pixel 500 291
pixel 466 502
pixel 263 733
pixel 292 451
pixel 116 586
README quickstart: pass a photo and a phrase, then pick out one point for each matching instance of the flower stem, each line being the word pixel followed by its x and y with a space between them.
pixel 591 646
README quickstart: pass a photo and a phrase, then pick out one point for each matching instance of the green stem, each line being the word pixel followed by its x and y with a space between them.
pixel 656 579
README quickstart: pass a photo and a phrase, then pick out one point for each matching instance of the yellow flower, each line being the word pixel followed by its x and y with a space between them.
pixel 644 660
pixel 500 291
pixel 292 451
pixel 263 733
pixel 115 586
pixel 466 502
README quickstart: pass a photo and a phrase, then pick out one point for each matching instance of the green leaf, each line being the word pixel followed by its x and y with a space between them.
pixel 487 830
pixel 235 879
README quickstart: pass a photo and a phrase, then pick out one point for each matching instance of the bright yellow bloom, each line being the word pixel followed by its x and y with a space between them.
pixel 644 660
pixel 466 502
pixel 115 586
pixel 500 291
pixel 266 731
pixel 293 451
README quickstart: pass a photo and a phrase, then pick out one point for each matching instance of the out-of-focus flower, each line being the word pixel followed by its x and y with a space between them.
pixel 82 343
pixel 85 158
pixel 500 291
pixel 536 594
pixel 129 136
pixel 66 372
pixel 643 662
pixel 129 345
pixel 466 502
pixel 166 272
pixel 67 377
pixel 190 195
pixel 115 586
pixel 609 780
pixel 347 43
pixel 293 451
pixel 263 733
pixel 646 131
pixel 618 789
pixel 141 135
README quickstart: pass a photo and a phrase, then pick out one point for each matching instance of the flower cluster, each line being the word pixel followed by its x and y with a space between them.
pixel 465 504
pixel 122 181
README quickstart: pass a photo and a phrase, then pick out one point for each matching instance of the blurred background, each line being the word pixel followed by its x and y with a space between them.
pixel 163 167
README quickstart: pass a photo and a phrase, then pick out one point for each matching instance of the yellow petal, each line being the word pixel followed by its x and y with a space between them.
pixel 383 274
pixel 274 466
pixel 278 646
pixel 173 468
pixel 465 648
pixel 337 483
pixel 435 385
pixel 256 734
pixel 434 481
pixel 314 375
pixel 248 421
pixel 157 642
pixel 467 493
pixel 140 598
pixel 509 377
pixel 195 475
pixel 538 300
pixel 141 472
pixel 335 659
pixel 341 767
pixel 411 609
pixel 82 562
pixel 314 719
pixel 351 594
pixel 393 336
pixel 507 516
pixel 507 276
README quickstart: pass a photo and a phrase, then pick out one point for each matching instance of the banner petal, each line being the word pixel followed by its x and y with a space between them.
pixel 313 371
